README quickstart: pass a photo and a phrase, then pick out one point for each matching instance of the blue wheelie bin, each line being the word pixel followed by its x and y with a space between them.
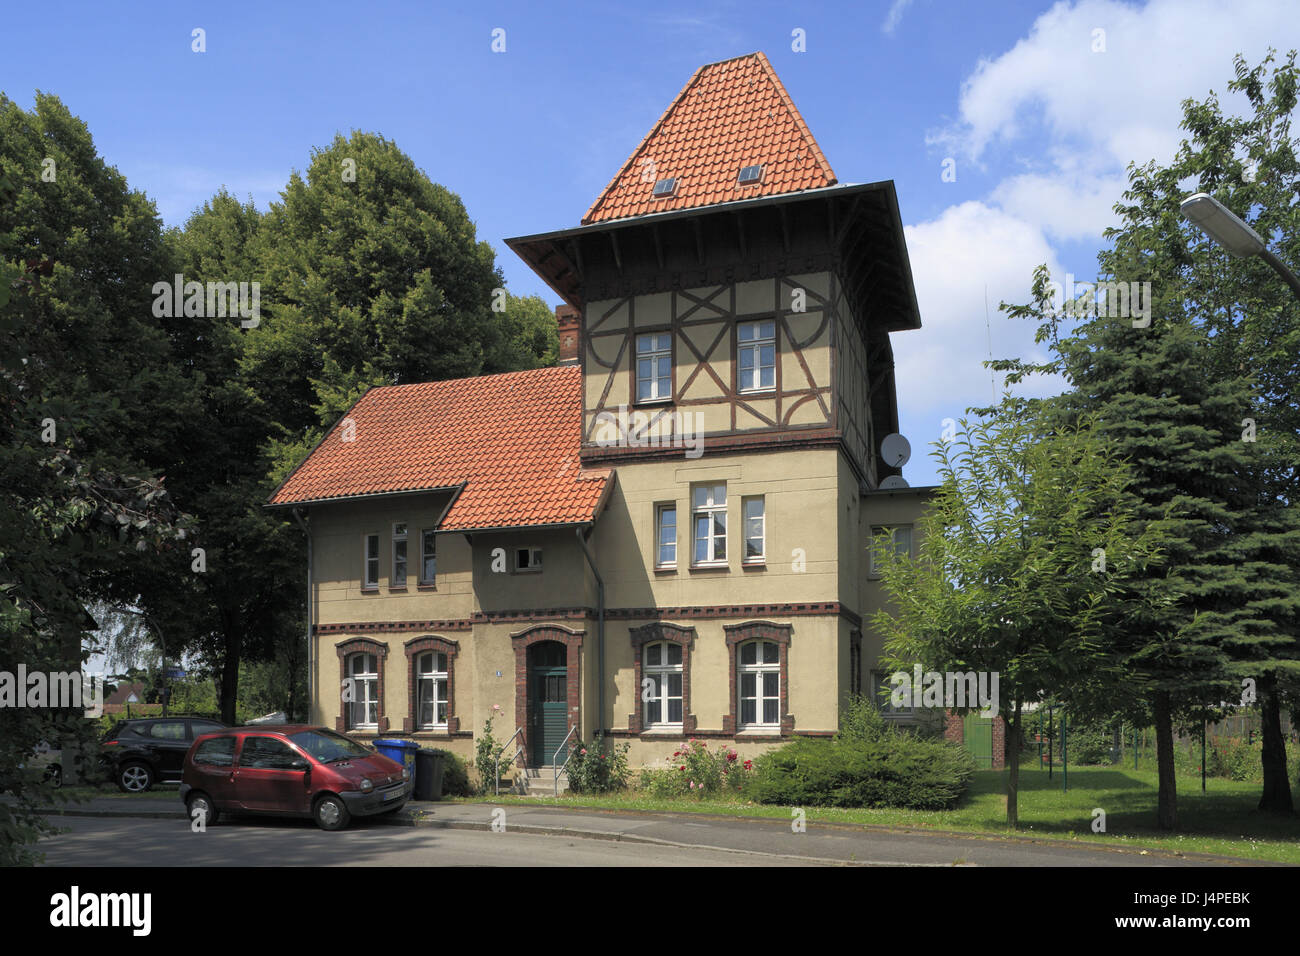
pixel 403 751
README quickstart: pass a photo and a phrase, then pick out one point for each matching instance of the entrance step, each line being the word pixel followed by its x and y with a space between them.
pixel 539 782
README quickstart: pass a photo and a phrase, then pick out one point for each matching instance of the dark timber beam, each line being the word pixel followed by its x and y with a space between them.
pixel 618 256
pixel 848 220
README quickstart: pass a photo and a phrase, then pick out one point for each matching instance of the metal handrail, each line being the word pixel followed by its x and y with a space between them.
pixel 496 782
pixel 567 757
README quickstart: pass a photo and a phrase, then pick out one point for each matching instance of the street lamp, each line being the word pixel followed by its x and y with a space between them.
pixel 1224 227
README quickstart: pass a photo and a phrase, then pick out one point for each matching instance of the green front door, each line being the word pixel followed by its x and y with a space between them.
pixel 978 735
pixel 548 702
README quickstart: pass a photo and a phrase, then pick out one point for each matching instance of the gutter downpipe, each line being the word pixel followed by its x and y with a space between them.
pixel 600 637
pixel 311 669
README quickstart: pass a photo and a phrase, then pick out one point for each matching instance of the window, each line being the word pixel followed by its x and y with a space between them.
pixel 662 681
pixel 886 545
pixel 750 174
pixel 168 730
pixel 325 745
pixel 666 536
pixel 370 559
pixel 664 188
pixel 661 668
pixel 267 753
pixel 756 356
pixel 528 559
pixel 654 367
pixel 428 557
pixel 431 686
pixel 760 684
pixel 363 708
pixel 752 508
pixel 216 753
pixel 709 516
pixel 398 580
pixel 883 688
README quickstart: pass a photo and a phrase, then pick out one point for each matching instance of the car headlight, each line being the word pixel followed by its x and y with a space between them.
pixel 367 784
pixel 406 773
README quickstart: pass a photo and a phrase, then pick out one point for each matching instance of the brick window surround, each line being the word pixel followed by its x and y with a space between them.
pixel 572 641
pixel 361 645
pixel 414 648
pixel 738 634
pixel 650 634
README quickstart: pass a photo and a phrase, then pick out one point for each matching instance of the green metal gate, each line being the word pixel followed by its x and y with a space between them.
pixel 977 733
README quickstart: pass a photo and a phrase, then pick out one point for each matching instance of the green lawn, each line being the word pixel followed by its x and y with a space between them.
pixel 1222 821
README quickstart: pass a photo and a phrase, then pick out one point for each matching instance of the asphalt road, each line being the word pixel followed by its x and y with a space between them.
pixel 99 842
pixel 458 835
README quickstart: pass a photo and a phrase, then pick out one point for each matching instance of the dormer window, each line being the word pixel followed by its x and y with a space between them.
pixel 750 175
pixel 665 188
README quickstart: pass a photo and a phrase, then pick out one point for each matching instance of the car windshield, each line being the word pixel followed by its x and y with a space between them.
pixel 325 745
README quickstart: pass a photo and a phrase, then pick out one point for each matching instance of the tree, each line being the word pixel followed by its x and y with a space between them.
pixel 1251 324
pixel 371 274
pixel 77 353
pixel 1206 402
pixel 240 597
pixel 365 279
pixel 1023 558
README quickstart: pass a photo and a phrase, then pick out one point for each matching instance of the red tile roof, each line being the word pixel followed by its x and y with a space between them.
pixel 731 114
pixel 512 440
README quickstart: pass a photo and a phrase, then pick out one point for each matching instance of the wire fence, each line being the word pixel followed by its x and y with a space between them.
pixel 1232 745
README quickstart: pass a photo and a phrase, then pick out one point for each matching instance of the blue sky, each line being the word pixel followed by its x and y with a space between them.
pixel 1038 123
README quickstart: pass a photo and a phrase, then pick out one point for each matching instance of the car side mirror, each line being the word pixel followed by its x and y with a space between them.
pixel 299 764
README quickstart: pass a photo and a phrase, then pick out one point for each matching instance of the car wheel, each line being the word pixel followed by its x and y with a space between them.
pixel 54 774
pixel 135 777
pixel 201 807
pixel 330 813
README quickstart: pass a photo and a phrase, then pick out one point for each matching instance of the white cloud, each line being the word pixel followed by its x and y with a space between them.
pixel 971 250
pixel 1073 119
pixel 1065 209
pixel 895 15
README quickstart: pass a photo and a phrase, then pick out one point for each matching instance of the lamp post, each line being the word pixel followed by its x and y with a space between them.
pixel 1223 226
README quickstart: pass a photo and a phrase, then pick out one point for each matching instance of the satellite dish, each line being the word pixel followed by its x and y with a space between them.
pixel 896 450
pixel 893 483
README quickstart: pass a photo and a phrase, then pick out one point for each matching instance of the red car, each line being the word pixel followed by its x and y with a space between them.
pixel 290 770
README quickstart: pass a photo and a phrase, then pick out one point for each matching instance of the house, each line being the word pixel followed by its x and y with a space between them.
pixel 123 696
pixel 668 535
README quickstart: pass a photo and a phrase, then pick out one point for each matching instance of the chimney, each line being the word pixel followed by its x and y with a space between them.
pixel 569 320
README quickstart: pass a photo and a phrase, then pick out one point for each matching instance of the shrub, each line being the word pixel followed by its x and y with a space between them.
pixel 698 772
pixel 485 753
pixel 861 719
pixel 1234 758
pixel 1088 745
pixel 892 770
pixel 591 770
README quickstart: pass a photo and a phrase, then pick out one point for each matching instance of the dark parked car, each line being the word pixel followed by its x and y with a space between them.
pixel 142 751
pixel 290 770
